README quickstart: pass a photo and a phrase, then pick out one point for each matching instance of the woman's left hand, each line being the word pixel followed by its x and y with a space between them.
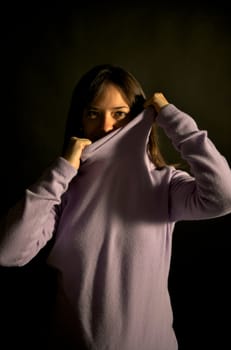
pixel 157 100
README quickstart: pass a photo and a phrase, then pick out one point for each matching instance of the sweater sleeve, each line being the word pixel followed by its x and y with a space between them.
pixel 30 224
pixel 205 192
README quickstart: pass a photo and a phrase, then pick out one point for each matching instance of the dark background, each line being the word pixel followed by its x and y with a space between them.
pixel 181 49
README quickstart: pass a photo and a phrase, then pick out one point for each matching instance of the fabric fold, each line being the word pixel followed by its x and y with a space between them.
pixel 137 127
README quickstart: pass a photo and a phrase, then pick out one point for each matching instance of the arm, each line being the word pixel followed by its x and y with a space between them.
pixel 30 224
pixel 207 193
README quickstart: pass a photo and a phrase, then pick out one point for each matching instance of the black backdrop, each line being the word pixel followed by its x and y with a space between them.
pixel 184 51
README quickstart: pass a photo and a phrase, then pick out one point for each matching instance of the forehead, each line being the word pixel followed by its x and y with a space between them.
pixel 110 94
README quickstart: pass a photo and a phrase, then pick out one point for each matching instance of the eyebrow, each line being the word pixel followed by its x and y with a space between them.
pixel 113 108
pixel 119 107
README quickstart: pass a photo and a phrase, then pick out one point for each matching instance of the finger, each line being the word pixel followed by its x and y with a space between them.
pixel 149 102
pixel 80 140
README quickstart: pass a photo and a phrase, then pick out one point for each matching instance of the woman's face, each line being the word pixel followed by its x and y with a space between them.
pixel 107 112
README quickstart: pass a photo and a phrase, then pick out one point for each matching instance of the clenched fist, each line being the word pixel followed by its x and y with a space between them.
pixel 74 150
pixel 157 100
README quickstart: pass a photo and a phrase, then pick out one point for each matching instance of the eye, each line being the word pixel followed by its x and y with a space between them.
pixel 92 114
pixel 118 115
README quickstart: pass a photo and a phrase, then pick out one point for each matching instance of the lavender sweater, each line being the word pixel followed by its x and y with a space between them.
pixel 113 223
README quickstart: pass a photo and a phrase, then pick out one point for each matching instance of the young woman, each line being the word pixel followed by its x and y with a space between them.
pixel 109 204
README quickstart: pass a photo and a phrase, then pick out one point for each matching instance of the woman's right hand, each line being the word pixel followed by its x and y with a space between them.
pixel 74 150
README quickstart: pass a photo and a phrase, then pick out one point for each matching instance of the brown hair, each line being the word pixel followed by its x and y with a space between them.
pixel 91 85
